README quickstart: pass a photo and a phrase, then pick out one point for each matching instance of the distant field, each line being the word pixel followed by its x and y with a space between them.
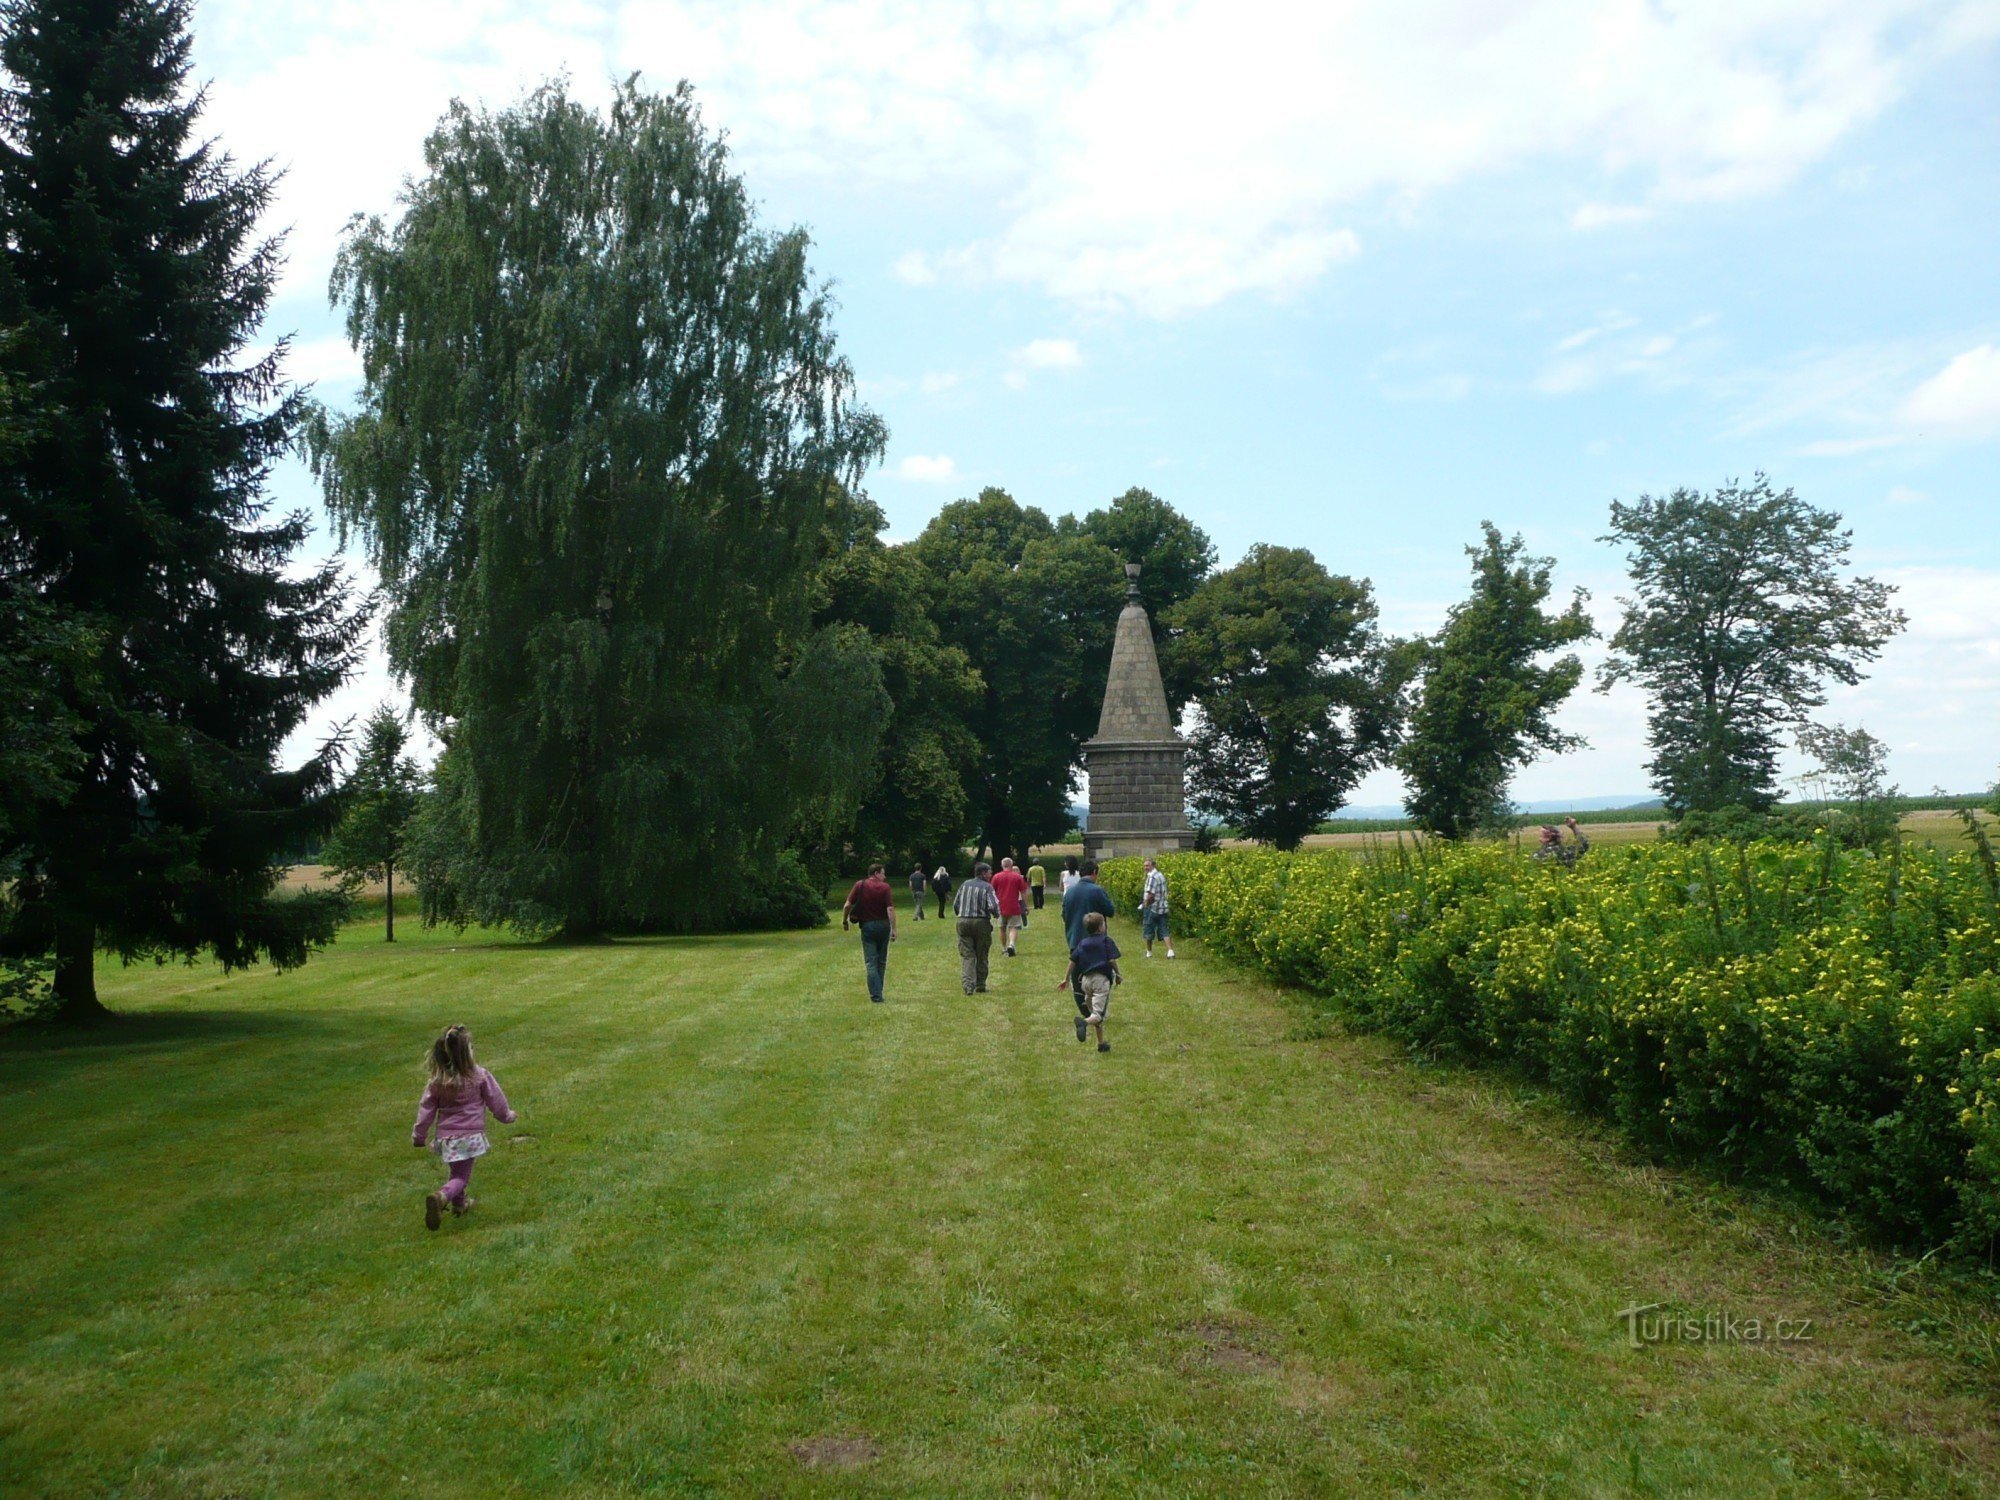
pixel 1942 828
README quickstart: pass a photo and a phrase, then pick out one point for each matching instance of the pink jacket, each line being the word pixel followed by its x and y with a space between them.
pixel 461 1112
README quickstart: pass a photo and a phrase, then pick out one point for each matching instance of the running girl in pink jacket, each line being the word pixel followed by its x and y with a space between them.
pixel 456 1101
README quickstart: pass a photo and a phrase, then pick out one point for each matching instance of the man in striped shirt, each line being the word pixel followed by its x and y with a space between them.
pixel 977 907
pixel 1153 910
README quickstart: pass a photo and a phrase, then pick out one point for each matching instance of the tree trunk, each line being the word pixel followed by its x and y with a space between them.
pixel 389 874
pixel 76 973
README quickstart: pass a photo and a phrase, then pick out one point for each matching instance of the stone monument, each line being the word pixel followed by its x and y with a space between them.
pixel 1137 764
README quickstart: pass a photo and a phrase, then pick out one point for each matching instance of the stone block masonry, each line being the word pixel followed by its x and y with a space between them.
pixel 1137 764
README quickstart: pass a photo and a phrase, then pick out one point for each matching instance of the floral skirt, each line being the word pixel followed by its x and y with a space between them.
pixel 452 1148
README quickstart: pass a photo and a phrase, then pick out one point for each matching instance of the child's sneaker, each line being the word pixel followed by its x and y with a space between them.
pixel 1082 1029
pixel 1104 1046
pixel 433 1210
pixel 463 1207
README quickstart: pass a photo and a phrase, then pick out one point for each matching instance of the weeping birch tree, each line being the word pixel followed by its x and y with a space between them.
pixel 601 409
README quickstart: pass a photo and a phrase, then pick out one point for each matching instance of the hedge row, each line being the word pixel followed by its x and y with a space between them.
pixel 1822 1017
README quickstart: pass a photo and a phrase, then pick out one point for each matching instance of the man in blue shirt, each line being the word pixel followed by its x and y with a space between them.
pixel 1083 897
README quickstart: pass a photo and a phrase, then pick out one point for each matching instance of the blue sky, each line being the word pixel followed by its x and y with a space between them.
pixel 1349 277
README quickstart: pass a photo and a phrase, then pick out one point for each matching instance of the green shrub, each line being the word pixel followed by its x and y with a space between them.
pixel 1793 1010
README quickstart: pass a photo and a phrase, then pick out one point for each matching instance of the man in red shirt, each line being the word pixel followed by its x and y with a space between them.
pixel 873 905
pixel 1009 886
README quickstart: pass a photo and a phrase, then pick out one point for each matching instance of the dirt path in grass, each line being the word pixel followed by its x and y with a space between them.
pixel 766 1238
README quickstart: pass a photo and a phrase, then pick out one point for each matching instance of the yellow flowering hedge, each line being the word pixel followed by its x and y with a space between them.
pixel 1827 1018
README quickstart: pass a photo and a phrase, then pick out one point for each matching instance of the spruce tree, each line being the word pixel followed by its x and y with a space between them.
pixel 379 803
pixel 131 264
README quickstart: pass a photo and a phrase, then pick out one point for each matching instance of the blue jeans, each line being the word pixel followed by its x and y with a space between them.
pixel 875 954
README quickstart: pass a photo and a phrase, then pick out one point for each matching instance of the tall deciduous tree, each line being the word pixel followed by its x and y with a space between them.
pixel 1033 604
pixel 377 804
pixel 1487 694
pixel 913 801
pixel 1741 610
pixel 135 513
pixel 1174 557
pixel 1300 693
pixel 601 410
pixel 1033 608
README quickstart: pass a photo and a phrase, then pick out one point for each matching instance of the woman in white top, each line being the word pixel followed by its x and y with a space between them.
pixel 1071 874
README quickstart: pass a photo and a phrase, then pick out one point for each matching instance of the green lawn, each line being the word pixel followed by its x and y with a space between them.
pixel 754 1235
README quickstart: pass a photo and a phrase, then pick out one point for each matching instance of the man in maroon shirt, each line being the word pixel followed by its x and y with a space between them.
pixel 1009 886
pixel 873 905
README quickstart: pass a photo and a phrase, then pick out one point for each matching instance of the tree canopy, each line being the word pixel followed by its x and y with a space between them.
pixel 1487 697
pixel 1031 606
pixel 1300 693
pixel 1740 612
pixel 176 639
pixel 914 800
pixel 602 408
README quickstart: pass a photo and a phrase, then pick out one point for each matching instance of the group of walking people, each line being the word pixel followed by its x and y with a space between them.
pixel 459 1094
pixel 1004 899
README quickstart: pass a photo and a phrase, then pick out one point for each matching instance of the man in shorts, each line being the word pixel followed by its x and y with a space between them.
pixel 1093 965
pixel 1153 910
pixel 1009 885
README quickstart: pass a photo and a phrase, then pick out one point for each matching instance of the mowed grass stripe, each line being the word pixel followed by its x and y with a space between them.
pixel 937 1237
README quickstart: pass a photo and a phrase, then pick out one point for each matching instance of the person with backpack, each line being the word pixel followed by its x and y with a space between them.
pixel 1083 897
pixel 872 905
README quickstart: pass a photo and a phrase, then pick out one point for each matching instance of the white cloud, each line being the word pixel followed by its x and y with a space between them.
pixel 915 269
pixel 1152 155
pixel 1613 346
pixel 1050 354
pixel 1445 387
pixel 927 470
pixel 324 362
pixel 1880 393
pixel 1600 215
pixel 1902 494
pixel 937 382
pixel 1962 399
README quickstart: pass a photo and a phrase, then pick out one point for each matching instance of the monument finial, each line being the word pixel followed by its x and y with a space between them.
pixel 1132 582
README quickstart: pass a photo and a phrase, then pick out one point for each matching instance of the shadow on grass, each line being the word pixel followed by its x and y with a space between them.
pixel 126 1030
pixel 637 940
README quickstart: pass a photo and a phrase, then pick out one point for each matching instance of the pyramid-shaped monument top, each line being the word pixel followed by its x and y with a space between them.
pixel 1135 700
